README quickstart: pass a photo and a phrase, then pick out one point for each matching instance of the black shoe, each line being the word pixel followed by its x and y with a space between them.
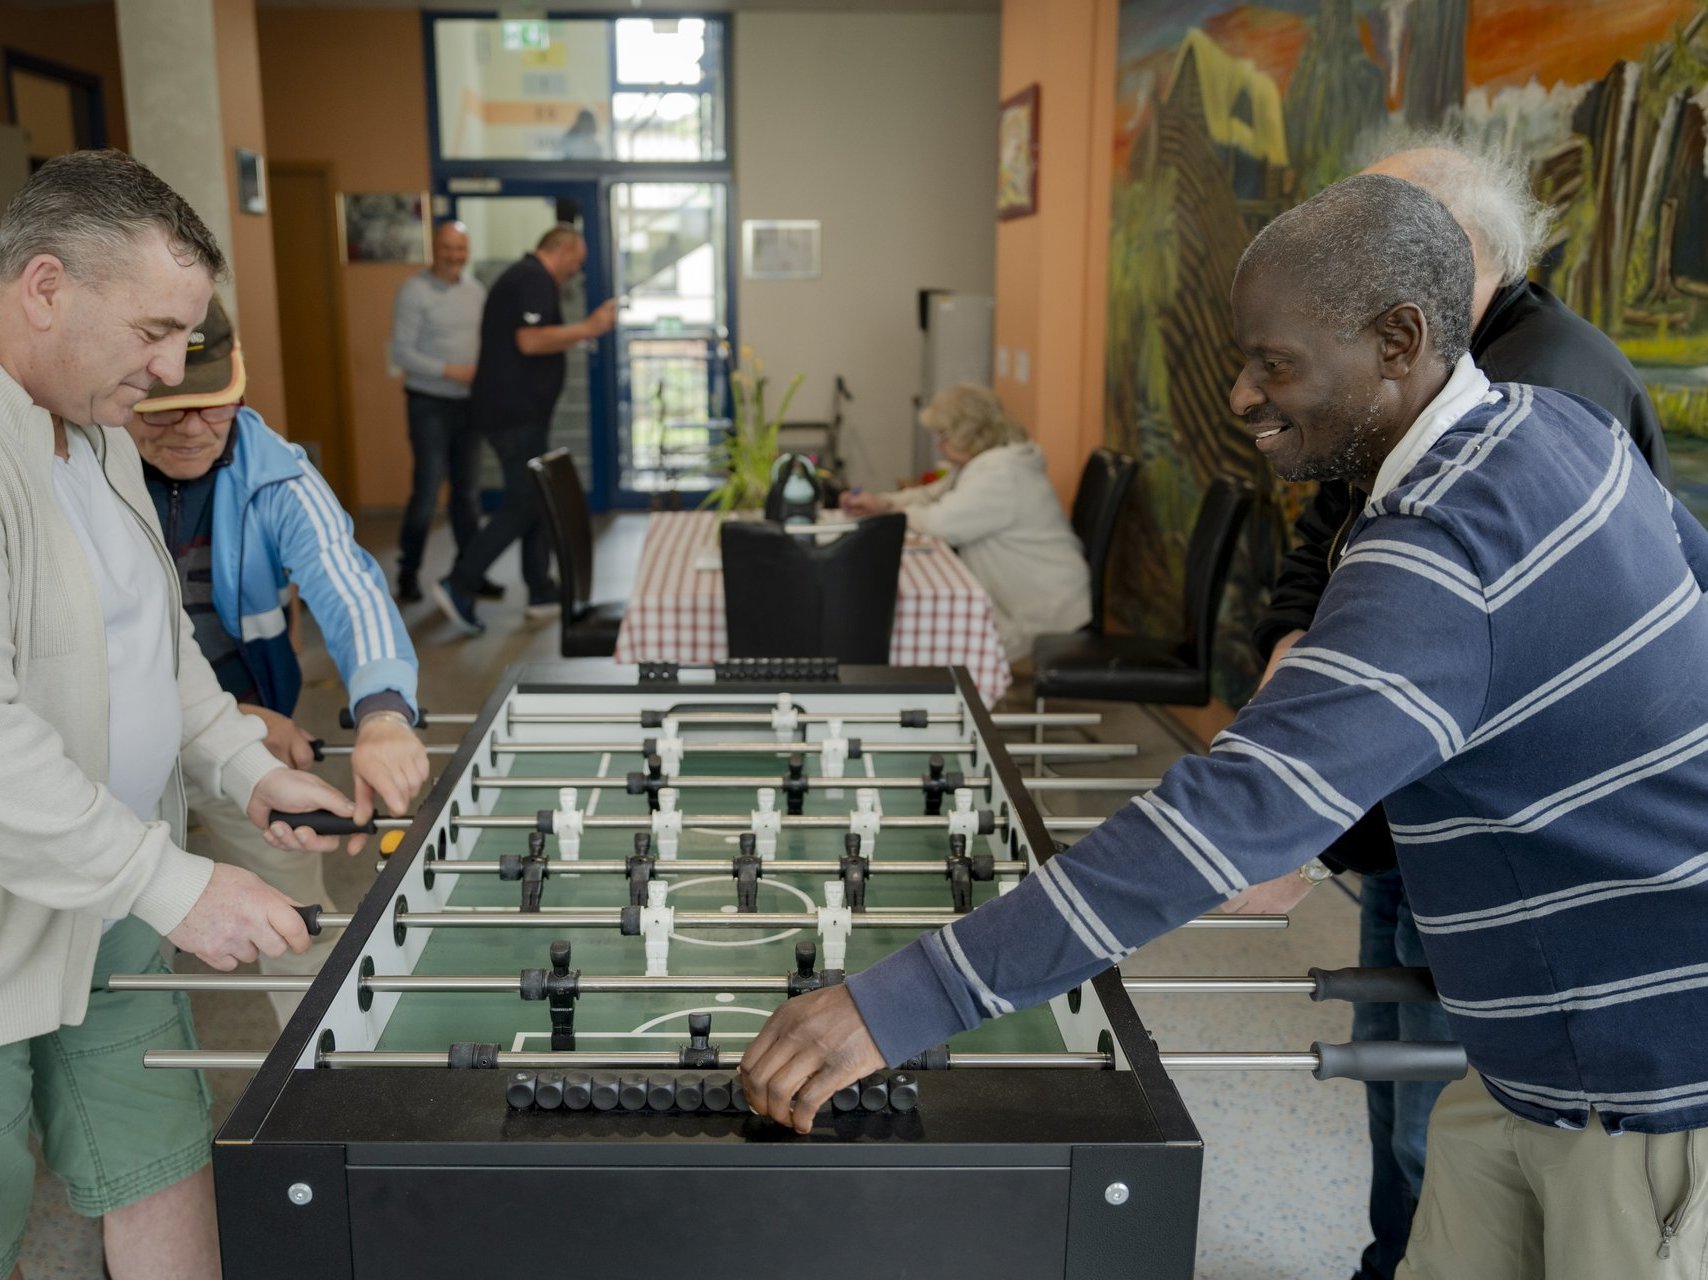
pixel 488 590
pixel 457 606
pixel 408 588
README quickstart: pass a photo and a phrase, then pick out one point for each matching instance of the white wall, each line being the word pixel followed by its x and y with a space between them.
pixel 883 127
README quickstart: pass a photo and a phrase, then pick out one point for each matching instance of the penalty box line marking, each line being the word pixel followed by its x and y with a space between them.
pixel 645 1030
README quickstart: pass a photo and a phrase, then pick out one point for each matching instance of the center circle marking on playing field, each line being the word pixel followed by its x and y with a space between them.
pixel 739 942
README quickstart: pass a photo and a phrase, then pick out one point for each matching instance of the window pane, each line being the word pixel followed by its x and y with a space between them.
pixel 548 90
pixel 523 90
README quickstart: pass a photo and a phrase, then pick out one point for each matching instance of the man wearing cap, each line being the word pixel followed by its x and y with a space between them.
pixel 245 515
pixel 106 710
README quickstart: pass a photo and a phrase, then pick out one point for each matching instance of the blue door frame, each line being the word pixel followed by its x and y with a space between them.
pixel 589 182
pixel 596 277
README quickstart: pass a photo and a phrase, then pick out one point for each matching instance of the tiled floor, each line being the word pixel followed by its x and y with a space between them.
pixel 1286 1159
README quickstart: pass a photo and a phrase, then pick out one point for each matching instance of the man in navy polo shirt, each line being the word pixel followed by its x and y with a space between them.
pixel 523 338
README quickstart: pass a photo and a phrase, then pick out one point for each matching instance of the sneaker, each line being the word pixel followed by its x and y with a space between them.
pixel 457 607
pixel 545 605
pixel 488 590
pixel 408 588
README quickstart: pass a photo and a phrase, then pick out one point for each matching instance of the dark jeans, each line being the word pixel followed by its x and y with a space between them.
pixel 518 516
pixel 1399 1110
pixel 446 446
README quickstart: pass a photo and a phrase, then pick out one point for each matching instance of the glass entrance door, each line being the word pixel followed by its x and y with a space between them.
pixel 501 229
pixel 671 258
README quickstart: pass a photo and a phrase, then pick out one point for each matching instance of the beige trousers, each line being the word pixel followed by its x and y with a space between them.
pixel 1509 1199
pixel 227 835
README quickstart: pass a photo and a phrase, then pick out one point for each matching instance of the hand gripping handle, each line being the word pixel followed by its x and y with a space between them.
pixel 311 918
pixel 322 823
pixel 1396 985
pixel 1390 1060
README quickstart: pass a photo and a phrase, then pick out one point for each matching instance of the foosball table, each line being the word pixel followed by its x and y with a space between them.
pixel 525 1043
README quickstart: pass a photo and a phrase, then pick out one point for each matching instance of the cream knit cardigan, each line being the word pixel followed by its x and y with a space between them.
pixel 70 853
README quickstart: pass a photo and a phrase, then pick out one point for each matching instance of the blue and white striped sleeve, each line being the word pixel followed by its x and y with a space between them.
pixel 1389 682
pixel 343 586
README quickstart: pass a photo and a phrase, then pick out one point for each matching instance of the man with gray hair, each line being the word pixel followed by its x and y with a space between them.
pixel 1498 657
pixel 1520 333
pixel 106 708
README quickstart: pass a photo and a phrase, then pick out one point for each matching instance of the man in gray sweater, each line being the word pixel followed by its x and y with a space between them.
pixel 106 706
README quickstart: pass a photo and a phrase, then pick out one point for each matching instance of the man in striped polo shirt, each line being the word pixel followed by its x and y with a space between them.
pixel 1504 654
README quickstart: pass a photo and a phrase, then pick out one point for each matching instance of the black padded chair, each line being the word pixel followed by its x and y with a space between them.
pixel 588 630
pixel 1097 504
pixel 788 595
pixel 1085 664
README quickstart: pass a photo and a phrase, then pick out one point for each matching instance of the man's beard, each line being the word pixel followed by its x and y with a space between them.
pixel 1356 454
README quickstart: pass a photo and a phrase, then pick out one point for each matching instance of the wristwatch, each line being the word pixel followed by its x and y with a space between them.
pixel 1315 872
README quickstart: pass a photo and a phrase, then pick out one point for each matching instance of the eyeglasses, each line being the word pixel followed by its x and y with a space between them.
pixel 214 415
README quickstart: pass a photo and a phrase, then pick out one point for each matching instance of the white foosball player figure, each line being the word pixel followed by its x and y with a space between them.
pixel 657 921
pixel 785 718
pixel 866 819
pixel 669 748
pixel 833 752
pixel 963 818
pixel 767 823
pixel 835 923
pixel 666 824
pixel 567 823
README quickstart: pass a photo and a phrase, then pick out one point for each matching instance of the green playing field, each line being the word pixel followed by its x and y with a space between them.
pixel 659 1021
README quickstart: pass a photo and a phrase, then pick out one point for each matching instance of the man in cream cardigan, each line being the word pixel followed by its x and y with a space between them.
pixel 106 706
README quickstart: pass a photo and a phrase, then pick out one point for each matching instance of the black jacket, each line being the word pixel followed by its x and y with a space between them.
pixel 1527 335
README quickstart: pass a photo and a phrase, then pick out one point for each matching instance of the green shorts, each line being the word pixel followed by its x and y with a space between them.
pixel 114 1131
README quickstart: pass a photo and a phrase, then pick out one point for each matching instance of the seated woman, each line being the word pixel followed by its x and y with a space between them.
pixel 997 509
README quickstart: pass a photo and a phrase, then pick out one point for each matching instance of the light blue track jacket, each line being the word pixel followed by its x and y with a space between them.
pixel 276 522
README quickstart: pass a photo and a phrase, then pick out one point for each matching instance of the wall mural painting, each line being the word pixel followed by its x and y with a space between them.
pixel 1226 114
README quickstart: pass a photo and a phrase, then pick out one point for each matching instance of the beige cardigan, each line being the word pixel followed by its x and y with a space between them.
pixel 1003 517
pixel 71 854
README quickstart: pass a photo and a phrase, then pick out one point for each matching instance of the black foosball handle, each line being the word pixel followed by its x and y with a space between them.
pixel 1390 1060
pixel 322 822
pixel 311 918
pixel 1397 985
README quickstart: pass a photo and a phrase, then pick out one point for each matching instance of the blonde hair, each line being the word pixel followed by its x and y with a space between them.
pixel 970 419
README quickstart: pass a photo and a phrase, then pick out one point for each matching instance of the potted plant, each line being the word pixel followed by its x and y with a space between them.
pixel 746 456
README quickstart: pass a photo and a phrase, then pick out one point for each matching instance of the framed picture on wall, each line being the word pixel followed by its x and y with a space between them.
pixel 251 182
pixel 785 249
pixel 1017 155
pixel 385 226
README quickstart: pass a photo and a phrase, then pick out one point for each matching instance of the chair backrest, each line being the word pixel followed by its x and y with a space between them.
pixel 1221 516
pixel 1097 505
pixel 565 503
pixel 789 596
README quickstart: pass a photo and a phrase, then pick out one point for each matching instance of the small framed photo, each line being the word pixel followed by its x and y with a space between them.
pixel 251 181
pixel 1017 155
pixel 385 226
pixel 780 250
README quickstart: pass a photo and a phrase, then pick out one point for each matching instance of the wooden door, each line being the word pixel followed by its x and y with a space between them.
pixel 311 318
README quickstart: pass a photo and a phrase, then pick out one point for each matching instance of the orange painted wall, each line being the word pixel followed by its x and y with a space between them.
pixel 1052 267
pixel 349 87
pixel 251 247
pixel 84 37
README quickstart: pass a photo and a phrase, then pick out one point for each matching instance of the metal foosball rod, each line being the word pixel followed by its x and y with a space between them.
pixel 712 866
pixel 1390 985
pixel 1360 1060
pixel 707 782
pixel 906 719
pixel 333 825
pixel 1047 750
pixel 614 918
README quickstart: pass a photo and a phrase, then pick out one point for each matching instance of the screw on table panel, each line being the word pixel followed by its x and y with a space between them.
pixel 300 1193
pixel 1116 1193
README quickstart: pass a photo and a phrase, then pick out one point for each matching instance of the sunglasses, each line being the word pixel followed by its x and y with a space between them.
pixel 213 415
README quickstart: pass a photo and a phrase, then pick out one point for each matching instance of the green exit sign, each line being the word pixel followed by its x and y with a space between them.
pixel 526 35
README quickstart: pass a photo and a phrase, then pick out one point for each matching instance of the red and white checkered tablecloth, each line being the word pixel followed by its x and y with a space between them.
pixel 676 614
